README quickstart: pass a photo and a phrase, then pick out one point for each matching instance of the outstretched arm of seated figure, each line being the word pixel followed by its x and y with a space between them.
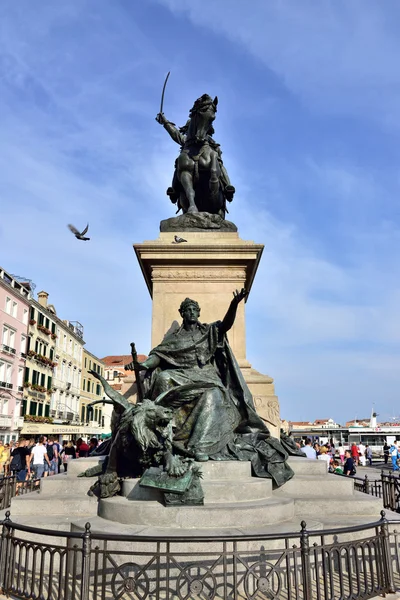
pixel 230 316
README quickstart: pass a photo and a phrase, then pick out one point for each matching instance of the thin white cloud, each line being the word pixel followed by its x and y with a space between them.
pixel 337 56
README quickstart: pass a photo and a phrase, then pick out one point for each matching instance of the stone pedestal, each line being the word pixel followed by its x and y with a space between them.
pixel 207 268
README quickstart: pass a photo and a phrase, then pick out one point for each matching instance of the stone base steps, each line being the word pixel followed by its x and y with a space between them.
pixel 100 525
pixel 60 485
pixel 236 514
pixel 308 485
pixel 40 504
pixel 326 506
pixel 215 491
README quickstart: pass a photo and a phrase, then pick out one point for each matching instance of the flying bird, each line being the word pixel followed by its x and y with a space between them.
pixel 79 236
pixel 178 240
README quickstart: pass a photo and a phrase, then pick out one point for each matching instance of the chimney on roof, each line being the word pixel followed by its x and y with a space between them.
pixel 42 299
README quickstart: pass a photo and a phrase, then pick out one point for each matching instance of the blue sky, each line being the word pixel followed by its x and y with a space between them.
pixel 309 122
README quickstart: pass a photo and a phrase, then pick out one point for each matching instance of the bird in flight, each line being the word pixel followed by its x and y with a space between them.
pixel 79 236
pixel 178 240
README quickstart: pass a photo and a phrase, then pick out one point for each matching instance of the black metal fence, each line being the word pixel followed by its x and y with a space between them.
pixel 387 488
pixel 11 487
pixel 349 563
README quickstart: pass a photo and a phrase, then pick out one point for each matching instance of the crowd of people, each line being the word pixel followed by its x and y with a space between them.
pixel 338 459
pixel 31 459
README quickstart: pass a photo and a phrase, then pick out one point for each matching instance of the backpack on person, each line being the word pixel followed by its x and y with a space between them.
pixel 16 462
pixel 50 452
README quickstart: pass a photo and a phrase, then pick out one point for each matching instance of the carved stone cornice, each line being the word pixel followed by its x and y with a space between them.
pixel 168 274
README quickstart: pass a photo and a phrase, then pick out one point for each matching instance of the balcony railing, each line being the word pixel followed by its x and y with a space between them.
pixel 6 421
pixel 19 423
pixel 7 386
pixel 8 349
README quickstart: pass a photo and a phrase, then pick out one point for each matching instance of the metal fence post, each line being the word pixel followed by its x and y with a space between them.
pixel 387 559
pixel 86 556
pixel 4 551
pixel 305 561
pixel 366 484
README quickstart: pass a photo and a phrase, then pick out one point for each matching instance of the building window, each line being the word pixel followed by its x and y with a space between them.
pixel 96 412
pixel 14 310
pixel 100 417
pixel 47 323
pixel 83 410
pixel 25 317
pixel 9 337
pixel 20 376
pixel 33 408
pixel 41 318
pixel 51 353
pixel 32 315
pixel 23 344
pixel 116 374
pixel 23 407
pixel 98 389
pixel 84 385
pixel 37 346
pixel 8 305
pixel 40 410
pixel 47 410
pixel 42 379
pixel 49 382
pixel 5 372
pixel 26 378
pixel 85 362
pixel 90 364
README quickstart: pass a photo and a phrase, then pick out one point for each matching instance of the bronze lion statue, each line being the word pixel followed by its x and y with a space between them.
pixel 141 438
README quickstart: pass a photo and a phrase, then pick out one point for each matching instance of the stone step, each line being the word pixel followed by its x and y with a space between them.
pixel 237 514
pixel 307 466
pixel 305 485
pixel 61 484
pixel 40 504
pixel 79 465
pixel 100 525
pixel 325 506
pixel 242 490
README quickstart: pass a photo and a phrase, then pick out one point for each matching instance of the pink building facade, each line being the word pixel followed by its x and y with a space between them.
pixel 14 317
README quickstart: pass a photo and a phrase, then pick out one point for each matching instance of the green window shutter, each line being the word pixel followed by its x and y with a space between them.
pixel 26 378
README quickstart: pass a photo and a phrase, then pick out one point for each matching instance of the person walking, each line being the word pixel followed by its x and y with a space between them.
pixel 394 453
pixel 341 453
pixel 386 449
pixel 368 454
pixel 361 453
pixel 38 457
pixel 68 454
pixel 354 453
pixel 20 462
